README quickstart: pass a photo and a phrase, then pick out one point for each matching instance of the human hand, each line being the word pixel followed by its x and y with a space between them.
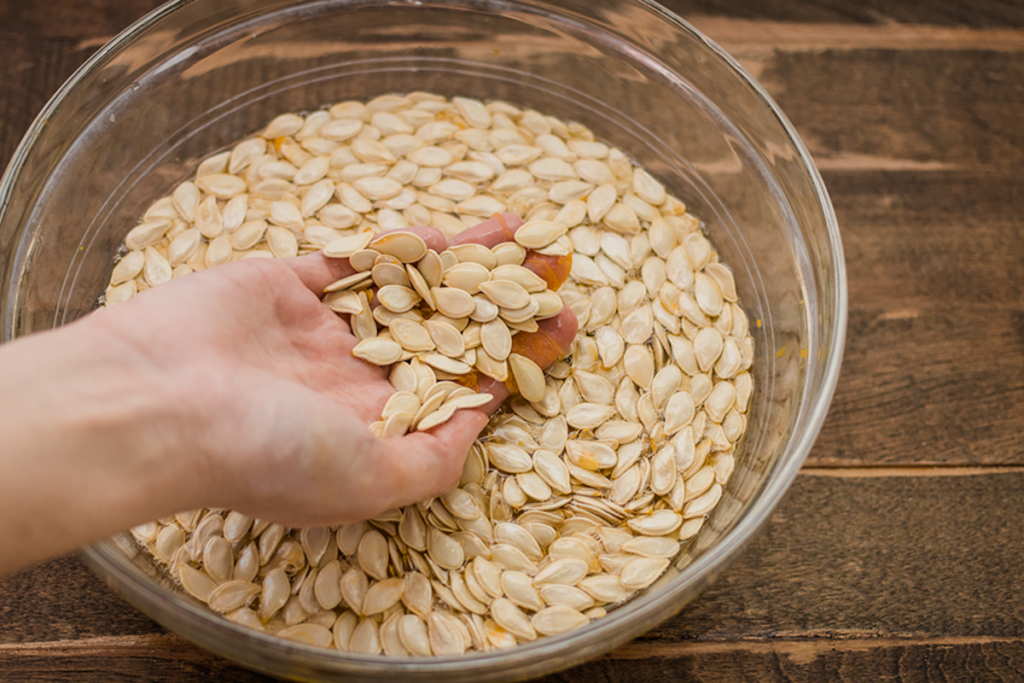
pixel 268 404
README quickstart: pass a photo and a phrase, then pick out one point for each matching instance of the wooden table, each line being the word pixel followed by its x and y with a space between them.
pixel 898 554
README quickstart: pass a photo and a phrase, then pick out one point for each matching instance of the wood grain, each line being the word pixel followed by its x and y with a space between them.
pixel 74 601
pixel 741 36
pixel 88 19
pixel 933 397
pixel 104 18
pixel 785 660
pixel 30 73
pixel 940 238
pixel 933 371
pixel 168 659
pixel 161 658
pixel 867 108
pixel 997 13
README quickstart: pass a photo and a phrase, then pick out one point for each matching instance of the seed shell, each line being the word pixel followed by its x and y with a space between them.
pixel 344 247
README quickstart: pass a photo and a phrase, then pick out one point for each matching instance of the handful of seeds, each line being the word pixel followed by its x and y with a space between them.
pixel 477 299
pixel 585 486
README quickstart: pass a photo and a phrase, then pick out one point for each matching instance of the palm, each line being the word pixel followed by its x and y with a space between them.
pixel 277 405
pixel 304 343
pixel 273 401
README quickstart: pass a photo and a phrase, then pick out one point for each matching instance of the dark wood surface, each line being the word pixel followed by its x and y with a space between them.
pixel 914 112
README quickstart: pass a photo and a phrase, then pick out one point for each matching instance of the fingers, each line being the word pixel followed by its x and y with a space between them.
pixel 555 335
pixel 422 465
pixel 425 464
pixel 549 343
pixel 317 271
pixel 500 227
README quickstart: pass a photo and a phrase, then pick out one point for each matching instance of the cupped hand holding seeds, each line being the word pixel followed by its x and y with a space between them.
pixel 235 387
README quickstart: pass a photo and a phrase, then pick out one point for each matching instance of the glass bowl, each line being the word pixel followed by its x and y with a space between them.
pixel 196 75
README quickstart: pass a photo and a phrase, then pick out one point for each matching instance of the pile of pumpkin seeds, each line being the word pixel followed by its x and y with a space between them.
pixel 573 499
pixel 480 304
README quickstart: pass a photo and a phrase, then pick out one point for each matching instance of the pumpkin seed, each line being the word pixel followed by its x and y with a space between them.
pixel 529 378
pixel 413 632
pixel 567 571
pixel 509 617
pixel 378 351
pixel 538 234
pixel 397 298
pixel 505 294
pixel 382 595
pixel 558 619
pixel 345 247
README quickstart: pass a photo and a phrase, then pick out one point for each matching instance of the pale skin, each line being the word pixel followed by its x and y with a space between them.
pixel 233 387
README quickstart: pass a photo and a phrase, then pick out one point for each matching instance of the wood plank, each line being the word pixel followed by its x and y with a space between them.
pixel 93 18
pixel 75 19
pixel 160 658
pixel 860 557
pixel 932 370
pixel 985 13
pixel 875 557
pixel 921 238
pixel 167 658
pixel 30 73
pixel 928 386
pixel 63 600
pixel 783 660
pixel 740 35
pixel 898 109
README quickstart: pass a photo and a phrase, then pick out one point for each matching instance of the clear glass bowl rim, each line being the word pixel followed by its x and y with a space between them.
pixel 602 635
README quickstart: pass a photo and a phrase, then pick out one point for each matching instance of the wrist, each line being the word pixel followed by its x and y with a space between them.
pixel 91 446
pixel 136 414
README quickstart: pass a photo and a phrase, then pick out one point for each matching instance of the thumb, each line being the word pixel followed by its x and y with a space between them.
pixel 421 465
